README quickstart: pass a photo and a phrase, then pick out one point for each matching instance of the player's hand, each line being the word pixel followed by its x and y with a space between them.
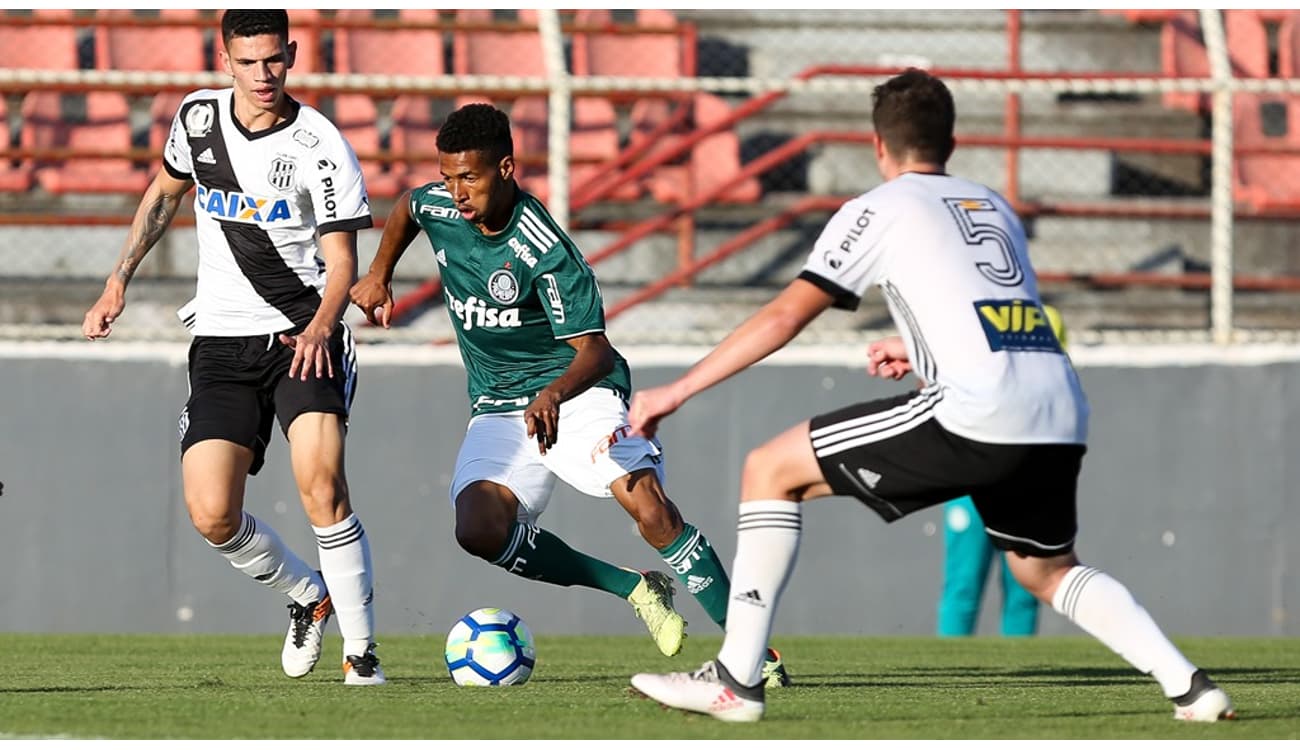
pixel 887 358
pixel 98 322
pixel 311 353
pixel 650 406
pixel 542 418
pixel 375 298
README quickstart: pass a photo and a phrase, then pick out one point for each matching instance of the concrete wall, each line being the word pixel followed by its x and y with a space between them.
pixel 1187 496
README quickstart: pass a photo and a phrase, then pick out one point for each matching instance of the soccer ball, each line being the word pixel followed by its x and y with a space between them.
pixel 490 646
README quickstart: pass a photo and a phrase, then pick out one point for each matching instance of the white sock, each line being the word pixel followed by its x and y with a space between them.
pixel 1104 608
pixel 767 542
pixel 257 552
pixel 345 563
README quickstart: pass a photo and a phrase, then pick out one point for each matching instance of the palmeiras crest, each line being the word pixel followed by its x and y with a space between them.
pixel 503 287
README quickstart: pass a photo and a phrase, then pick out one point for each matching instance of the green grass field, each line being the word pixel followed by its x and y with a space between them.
pixel 213 687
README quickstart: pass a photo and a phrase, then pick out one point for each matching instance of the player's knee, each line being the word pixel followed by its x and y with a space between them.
pixel 217 528
pixel 479 538
pixel 762 474
pixel 659 523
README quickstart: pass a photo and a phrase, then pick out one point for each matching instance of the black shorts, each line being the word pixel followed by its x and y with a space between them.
pixel 895 457
pixel 239 383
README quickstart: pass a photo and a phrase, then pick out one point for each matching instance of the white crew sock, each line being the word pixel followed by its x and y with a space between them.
pixel 345 564
pixel 767 542
pixel 1104 608
pixel 256 551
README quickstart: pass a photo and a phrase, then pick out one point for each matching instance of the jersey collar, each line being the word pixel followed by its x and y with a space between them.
pixel 289 119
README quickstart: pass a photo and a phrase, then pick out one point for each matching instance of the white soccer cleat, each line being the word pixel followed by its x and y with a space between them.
pixel 710 690
pixel 363 669
pixel 302 644
pixel 1205 701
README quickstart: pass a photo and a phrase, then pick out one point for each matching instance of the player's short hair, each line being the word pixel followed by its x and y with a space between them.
pixel 913 112
pixel 254 23
pixel 477 127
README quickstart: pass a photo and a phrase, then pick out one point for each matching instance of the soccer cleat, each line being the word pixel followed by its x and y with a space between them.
pixel 710 690
pixel 653 601
pixel 1205 701
pixel 302 643
pixel 774 674
pixel 363 669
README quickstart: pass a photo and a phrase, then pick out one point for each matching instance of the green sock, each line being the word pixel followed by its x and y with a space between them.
pixel 698 568
pixel 538 554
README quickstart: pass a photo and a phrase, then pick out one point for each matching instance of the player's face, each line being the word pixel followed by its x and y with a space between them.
pixel 259 64
pixel 482 189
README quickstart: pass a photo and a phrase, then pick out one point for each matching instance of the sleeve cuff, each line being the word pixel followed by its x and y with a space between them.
pixel 844 299
pixel 346 225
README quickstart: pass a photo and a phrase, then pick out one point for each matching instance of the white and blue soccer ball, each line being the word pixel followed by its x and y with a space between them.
pixel 490 646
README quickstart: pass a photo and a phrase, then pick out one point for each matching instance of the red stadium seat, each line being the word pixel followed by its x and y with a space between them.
pixel 415 139
pixel 389 51
pixel 171 48
pixel 40 47
pixel 1288 45
pixel 302 29
pixel 97 121
pixel 1267 180
pixel 713 161
pixel 14 177
pixel 356 117
pixel 1183 52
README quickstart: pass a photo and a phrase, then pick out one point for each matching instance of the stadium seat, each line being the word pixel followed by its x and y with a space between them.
pixel 1183 53
pixel 1267 180
pixel 356 117
pixel 170 48
pixel 1288 45
pixel 302 29
pixel 14 177
pixel 712 161
pixel 97 121
pixel 40 47
pixel 383 52
pixel 593 125
pixel 414 139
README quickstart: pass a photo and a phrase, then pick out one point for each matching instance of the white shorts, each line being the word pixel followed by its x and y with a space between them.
pixel 592 449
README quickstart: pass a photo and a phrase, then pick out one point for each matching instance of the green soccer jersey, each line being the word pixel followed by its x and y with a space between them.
pixel 513 298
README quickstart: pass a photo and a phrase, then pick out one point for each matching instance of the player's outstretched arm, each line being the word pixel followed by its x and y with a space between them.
pixel 593 361
pixel 373 293
pixel 152 217
pixel 766 331
pixel 311 345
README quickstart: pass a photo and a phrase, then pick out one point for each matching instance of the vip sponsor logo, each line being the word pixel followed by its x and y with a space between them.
pixel 860 224
pixel 1016 325
pixel 696 584
pixel 281 174
pixel 609 441
pixel 522 252
pixel 330 198
pixel 750 597
pixel 442 212
pixel 475 313
pixel 869 477
pixel 503 287
pixel 206 157
pixel 234 206
pixel 199 119
pixel 553 297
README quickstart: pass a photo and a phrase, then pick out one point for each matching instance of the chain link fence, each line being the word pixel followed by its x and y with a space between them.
pixel 695 154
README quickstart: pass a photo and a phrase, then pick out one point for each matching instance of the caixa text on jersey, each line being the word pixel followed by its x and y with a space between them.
pixel 241 207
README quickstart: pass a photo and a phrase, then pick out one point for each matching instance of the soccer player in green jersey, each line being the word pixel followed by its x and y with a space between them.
pixel 548 393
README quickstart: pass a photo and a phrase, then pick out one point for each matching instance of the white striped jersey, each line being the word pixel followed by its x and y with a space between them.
pixel 261 198
pixel 951 258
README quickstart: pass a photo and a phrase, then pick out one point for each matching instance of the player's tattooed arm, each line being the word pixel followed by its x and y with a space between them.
pixel 157 207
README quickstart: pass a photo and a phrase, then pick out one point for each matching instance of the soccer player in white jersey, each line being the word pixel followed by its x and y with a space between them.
pixel 547 389
pixel 269 342
pixel 1001 415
